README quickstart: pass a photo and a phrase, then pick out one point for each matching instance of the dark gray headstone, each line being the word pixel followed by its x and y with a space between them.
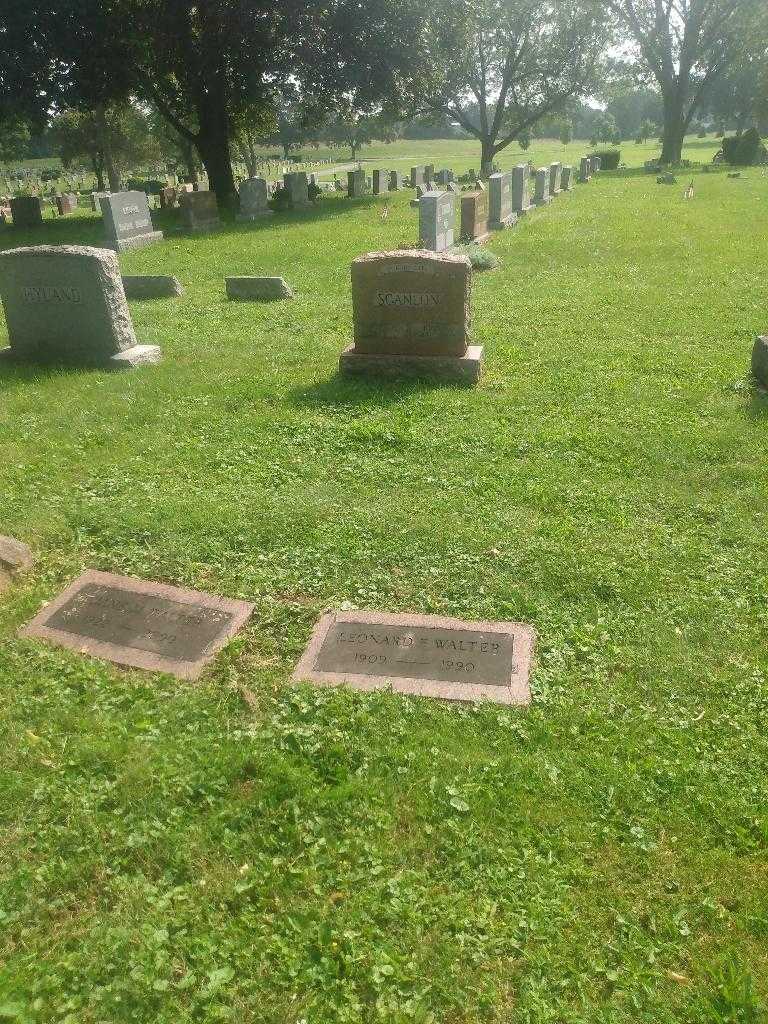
pixel 27 211
pixel 127 222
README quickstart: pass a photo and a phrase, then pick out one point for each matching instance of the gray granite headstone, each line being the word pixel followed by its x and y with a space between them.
pixel 297 186
pixel 500 210
pixel 355 184
pixel 417 176
pixel 585 169
pixel 424 655
pixel 254 200
pixel 521 198
pixel 200 211
pixel 66 304
pixel 127 222
pixel 555 170
pixel 566 177
pixel 437 218
pixel 380 182
pixel 541 194
pixel 395 181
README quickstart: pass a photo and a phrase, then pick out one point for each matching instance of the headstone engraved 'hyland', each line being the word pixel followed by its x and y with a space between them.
pixel 66 304
pixel 127 222
pixel 437 217
pixel 424 655
pixel 411 317
pixel 141 624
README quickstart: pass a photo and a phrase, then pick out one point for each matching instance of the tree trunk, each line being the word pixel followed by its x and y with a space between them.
pixel 98 170
pixel 353 147
pixel 674 127
pixel 188 156
pixel 102 130
pixel 213 143
pixel 487 153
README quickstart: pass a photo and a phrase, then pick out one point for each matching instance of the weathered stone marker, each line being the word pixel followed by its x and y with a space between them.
pixel 395 181
pixel 541 194
pixel 141 624
pixel 474 216
pixel 200 211
pixel 66 203
pixel 254 200
pixel 411 317
pixel 422 655
pixel 437 217
pixel 521 196
pixel 566 178
pixel 555 171
pixel 380 182
pixel 297 185
pixel 585 169
pixel 151 286
pixel 127 221
pixel 501 213
pixel 760 361
pixel 66 304
pixel 355 184
pixel 27 211
pixel 15 558
pixel 257 289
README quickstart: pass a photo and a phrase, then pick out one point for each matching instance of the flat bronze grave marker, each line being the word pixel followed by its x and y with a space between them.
pixel 426 655
pixel 141 624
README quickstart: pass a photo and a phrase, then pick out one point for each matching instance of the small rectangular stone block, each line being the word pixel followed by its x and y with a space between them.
pixel 421 655
pixel 15 556
pixel 151 286
pixel 140 624
pixel 257 289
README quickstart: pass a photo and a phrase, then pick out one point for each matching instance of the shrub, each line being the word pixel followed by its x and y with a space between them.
pixel 281 200
pixel 314 192
pixel 480 258
pixel 609 158
pixel 744 150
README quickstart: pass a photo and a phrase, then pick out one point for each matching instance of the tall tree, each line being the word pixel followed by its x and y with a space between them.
pixel 518 61
pixel 685 45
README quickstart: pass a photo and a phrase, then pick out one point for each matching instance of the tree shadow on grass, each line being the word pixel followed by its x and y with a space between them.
pixel 757 407
pixel 341 391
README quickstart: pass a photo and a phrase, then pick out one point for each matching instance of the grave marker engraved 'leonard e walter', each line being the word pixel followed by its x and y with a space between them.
pixel 424 655
pixel 141 624
pixel 127 221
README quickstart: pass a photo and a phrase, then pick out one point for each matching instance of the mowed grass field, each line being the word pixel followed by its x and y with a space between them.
pixel 170 855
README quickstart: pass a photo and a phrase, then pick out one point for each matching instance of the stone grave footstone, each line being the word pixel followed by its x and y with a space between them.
pixel 541 194
pixel 127 221
pixel 66 304
pixel 421 655
pixel 500 210
pixel 411 317
pixel 257 289
pixel 200 211
pixel 140 624
pixel 151 286
pixel 254 200
pixel 437 218
pixel 474 216
pixel 26 211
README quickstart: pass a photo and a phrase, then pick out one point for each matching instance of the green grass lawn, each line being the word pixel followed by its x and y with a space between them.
pixel 170 856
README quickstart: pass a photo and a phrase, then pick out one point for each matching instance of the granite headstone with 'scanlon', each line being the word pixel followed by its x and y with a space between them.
pixel 411 316
pixel 66 304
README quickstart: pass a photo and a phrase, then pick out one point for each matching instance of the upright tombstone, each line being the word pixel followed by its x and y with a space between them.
pixel 585 169
pixel 395 181
pixel 429 172
pixel 521 197
pixel 66 203
pixel 380 179
pixel 597 163
pixel 566 178
pixel 444 177
pixel 96 198
pixel 760 362
pixel 555 171
pixel 127 222
pixel 200 211
pixel 541 194
pixel 27 211
pixel 167 198
pixel 66 304
pixel 355 184
pixel 501 213
pixel 297 186
pixel 436 221
pixel 417 176
pixel 474 216
pixel 254 200
pixel 411 317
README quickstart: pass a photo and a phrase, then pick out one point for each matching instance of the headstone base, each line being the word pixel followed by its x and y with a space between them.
pixel 257 289
pixel 501 224
pixel 464 369
pixel 760 362
pixel 247 218
pixel 543 201
pixel 137 242
pixel 139 355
